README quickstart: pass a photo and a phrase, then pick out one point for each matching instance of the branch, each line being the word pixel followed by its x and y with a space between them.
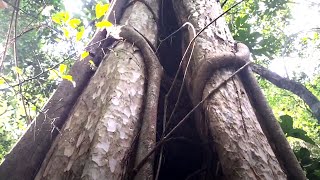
pixel 295 87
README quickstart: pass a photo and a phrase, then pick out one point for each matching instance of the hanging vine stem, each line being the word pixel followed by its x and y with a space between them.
pixel 191 43
pixel 165 123
pixel 166 137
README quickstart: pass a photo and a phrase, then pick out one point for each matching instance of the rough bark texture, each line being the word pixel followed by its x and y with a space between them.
pixel 243 149
pixel 99 133
pixel 35 143
pixel 292 86
pixel 98 137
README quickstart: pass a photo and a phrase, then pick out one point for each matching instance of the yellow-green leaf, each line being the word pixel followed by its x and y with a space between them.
pixel 16 70
pixel 65 16
pixel 103 24
pixel 66 33
pixel 2 81
pixel 316 35
pixel 101 9
pixel 92 65
pixel 67 77
pixel 56 19
pixel 79 34
pixel 62 68
pixel 60 17
pixel 74 22
pixel 84 55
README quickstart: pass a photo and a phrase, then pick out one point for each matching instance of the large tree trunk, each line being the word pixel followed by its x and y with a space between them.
pixel 97 141
pixel 107 134
pixel 243 149
pixel 228 117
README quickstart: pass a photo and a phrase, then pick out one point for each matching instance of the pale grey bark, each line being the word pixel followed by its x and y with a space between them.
pixel 230 120
pixel 97 139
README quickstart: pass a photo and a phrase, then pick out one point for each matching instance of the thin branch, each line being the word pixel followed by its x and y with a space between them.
pixel 16 8
pixel 17 64
pixel 7 41
pixel 40 74
pixel 295 87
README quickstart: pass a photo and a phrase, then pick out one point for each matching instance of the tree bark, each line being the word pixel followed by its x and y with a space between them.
pixel 99 136
pixel 229 118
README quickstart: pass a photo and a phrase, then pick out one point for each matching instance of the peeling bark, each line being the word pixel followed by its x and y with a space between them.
pixel 100 130
pixel 98 138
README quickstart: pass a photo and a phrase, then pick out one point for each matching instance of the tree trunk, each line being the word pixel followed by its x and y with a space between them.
pixel 229 120
pixel 108 133
pixel 228 116
pixel 97 141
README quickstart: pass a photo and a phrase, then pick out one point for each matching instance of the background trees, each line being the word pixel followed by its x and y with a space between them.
pixel 259 25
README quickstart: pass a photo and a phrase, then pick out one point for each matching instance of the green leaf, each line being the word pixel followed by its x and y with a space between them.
pixel 103 24
pixel 80 34
pixel 84 55
pixel 303 153
pixel 237 22
pixel 74 23
pixel 101 9
pixel 301 134
pixel 62 68
pixel 286 123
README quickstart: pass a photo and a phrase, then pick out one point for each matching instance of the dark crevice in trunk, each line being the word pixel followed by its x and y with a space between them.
pixel 169 50
pixel 185 155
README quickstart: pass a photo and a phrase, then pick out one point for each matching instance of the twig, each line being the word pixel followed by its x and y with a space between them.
pixel 17 64
pixel 40 74
pixel 7 41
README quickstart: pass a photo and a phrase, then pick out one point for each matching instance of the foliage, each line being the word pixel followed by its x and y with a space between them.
pixel 310 164
pixel 32 60
pixel 259 24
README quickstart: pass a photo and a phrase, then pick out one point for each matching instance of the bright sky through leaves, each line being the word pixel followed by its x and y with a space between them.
pixel 305 17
